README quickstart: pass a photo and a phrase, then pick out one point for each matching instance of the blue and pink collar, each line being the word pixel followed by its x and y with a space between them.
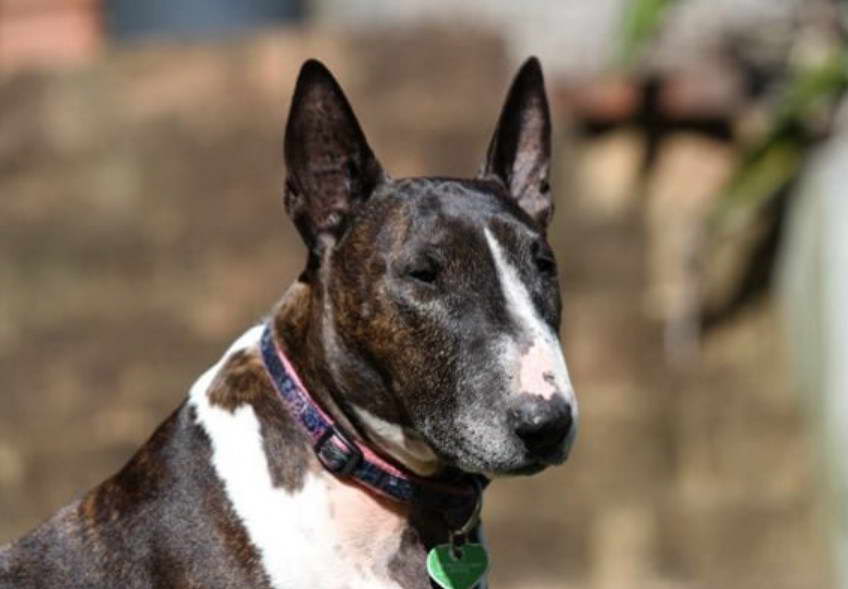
pixel 457 497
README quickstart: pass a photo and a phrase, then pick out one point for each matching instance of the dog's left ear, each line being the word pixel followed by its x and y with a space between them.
pixel 520 151
pixel 331 168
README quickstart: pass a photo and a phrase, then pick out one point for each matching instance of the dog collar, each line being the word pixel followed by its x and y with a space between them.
pixel 457 497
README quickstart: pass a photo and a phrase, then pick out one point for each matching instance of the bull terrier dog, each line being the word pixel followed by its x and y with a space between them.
pixel 346 441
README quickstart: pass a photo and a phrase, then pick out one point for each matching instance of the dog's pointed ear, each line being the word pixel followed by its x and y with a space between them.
pixel 520 151
pixel 331 168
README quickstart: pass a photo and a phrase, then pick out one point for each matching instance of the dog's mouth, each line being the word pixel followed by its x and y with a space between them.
pixel 532 465
pixel 526 470
pixel 525 466
pixel 518 462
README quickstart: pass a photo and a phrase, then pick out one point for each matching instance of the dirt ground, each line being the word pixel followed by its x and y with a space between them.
pixel 141 230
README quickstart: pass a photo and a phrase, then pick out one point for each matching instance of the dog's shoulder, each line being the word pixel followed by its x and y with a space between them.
pixel 37 559
pixel 169 501
pixel 235 400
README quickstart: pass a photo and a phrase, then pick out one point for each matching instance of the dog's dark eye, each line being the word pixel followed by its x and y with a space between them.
pixel 544 260
pixel 425 270
pixel 546 265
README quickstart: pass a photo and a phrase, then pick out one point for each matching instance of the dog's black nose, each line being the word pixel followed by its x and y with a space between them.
pixel 544 425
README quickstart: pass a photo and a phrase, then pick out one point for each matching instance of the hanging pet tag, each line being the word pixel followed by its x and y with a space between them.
pixel 457 567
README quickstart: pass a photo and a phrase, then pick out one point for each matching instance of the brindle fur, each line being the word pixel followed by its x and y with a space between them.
pixel 112 537
pixel 359 334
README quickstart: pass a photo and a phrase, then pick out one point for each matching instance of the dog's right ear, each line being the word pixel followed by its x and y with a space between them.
pixel 331 168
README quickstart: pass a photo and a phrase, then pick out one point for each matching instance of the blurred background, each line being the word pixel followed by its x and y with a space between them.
pixel 701 229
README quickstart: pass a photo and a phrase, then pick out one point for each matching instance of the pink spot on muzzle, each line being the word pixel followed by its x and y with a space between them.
pixel 540 371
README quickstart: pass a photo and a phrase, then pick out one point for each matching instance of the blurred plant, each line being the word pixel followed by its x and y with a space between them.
pixel 737 251
pixel 773 161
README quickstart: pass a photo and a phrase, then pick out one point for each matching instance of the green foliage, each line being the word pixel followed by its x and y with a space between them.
pixel 772 162
pixel 641 20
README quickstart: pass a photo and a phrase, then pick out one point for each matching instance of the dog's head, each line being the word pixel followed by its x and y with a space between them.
pixel 439 300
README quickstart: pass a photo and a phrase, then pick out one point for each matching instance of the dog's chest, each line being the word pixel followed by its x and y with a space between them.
pixel 322 536
pixel 314 532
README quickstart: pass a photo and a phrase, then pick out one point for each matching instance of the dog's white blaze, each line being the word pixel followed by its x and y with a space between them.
pixel 541 367
pixel 300 542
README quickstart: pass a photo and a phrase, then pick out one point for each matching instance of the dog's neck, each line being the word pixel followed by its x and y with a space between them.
pixel 350 393
pixel 298 332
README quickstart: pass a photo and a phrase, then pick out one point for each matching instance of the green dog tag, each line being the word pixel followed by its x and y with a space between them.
pixel 462 572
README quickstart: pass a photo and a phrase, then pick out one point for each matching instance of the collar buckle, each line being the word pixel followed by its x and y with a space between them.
pixel 338 460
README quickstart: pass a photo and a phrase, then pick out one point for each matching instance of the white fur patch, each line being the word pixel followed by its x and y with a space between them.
pixel 541 368
pixel 324 535
pixel 408 449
